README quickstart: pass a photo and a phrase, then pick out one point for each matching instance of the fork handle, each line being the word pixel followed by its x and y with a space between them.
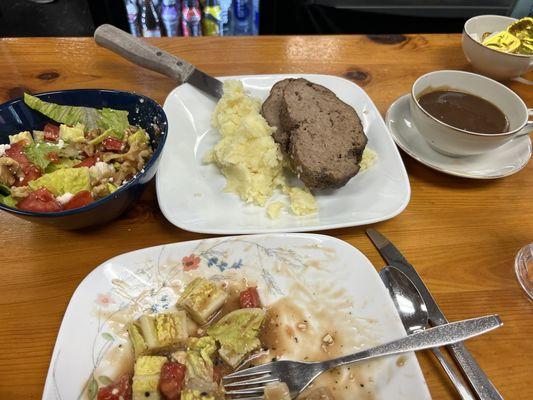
pixel 437 336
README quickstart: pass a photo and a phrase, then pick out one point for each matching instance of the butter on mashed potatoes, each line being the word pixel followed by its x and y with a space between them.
pixel 248 156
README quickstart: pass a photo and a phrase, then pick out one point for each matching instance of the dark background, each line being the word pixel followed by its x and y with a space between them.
pixel 80 17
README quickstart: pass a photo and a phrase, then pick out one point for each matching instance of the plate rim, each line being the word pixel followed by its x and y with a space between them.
pixel 230 230
pixel 421 160
pixel 47 387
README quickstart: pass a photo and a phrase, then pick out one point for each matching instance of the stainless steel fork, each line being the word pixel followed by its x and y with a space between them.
pixel 298 375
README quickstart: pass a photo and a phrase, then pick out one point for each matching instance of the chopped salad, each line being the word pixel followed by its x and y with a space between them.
pixel 85 156
pixel 183 354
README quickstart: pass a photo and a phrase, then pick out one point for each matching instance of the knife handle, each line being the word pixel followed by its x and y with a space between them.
pixel 481 384
pixel 142 53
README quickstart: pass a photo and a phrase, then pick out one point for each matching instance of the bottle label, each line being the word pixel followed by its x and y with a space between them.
pixel 152 33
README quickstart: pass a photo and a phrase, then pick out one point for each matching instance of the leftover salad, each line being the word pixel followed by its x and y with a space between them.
pixel 184 353
pixel 85 156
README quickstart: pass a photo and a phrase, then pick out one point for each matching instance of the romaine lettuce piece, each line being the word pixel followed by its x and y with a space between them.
pixel 107 133
pixel 159 332
pixel 139 137
pixel 38 153
pixel 73 134
pixel 188 394
pixel 66 180
pixel 61 164
pixel 137 340
pixel 202 298
pixel 147 370
pixel 238 334
pixel 199 365
pixel 21 136
pixel 8 201
pixel 91 118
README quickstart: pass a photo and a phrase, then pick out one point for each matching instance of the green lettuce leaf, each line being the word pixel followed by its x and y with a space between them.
pixel 4 190
pixel 189 394
pixel 63 163
pixel 238 331
pixel 91 118
pixel 37 153
pixel 198 359
pixel 8 201
pixel 66 180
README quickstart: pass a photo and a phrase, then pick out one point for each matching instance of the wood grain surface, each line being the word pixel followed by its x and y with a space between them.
pixel 461 235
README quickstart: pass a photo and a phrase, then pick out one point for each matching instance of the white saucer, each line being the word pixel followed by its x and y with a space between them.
pixel 504 161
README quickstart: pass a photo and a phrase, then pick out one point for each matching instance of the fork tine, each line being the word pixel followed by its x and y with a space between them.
pixel 249 398
pixel 256 391
pixel 260 369
pixel 254 381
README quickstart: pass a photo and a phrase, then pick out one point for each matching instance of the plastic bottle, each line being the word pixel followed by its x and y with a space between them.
pixel 242 17
pixel 255 9
pixel 133 17
pixel 170 16
pixel 226 17
pixel 191 16
pixel 150 20
pixel 212 20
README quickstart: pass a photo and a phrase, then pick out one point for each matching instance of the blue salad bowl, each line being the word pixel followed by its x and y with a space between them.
pixel 15 117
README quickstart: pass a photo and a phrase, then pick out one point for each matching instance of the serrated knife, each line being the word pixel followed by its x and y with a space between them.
pixel 153 58
pixel 480 383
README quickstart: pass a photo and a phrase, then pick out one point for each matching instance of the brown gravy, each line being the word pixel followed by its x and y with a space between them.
pixel 464 111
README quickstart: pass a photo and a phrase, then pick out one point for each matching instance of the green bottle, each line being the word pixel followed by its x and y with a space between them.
pixel 212 21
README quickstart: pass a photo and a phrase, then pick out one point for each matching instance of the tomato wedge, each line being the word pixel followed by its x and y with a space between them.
pixel 80 199
pixel 31 172
pixel 53 157
pixel 118 390
pixel 16 152
pixel 40 200
pixel 87 162
pixel 51 132
pixel 113 144
pixel 249 298
pixel 171 380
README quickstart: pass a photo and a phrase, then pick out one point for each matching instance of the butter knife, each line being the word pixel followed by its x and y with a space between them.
pixel 480 383
pixel 145 55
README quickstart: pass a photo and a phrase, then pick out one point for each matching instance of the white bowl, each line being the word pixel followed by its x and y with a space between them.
pixel 453 141
pixel 493 63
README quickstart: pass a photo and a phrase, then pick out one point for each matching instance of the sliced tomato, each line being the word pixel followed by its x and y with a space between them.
pixel 113 144
pixel 31 172
pixel 249 298
pixel 53 157
pixel 118 390
pixel 51 132
pixel 40 200
pixel 87 162
pixel 16 152
pixel 171 380
pixel 80 199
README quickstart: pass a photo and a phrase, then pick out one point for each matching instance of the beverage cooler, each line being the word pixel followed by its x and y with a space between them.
pixel 151 18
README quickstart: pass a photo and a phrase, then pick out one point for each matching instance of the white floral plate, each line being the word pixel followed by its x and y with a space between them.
pixel 333 285
pixel 190 193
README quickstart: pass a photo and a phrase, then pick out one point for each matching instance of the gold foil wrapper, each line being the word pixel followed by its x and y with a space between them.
pixel 516 39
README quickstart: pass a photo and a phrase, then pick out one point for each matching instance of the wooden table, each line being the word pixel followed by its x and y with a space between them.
pixel 462 235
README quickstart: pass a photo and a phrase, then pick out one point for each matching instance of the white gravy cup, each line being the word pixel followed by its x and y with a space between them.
pixel 453 141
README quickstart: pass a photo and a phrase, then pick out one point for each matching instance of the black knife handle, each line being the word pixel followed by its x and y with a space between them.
pixel 141 53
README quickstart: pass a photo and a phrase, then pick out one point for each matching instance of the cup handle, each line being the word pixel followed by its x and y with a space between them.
pixel 528 128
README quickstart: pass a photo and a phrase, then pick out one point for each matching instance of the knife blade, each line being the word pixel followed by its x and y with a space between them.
pixel 479 381
pixel 151 57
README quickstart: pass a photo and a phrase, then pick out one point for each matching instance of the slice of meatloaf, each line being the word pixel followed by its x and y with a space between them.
pixel 326 138
pixel 271 111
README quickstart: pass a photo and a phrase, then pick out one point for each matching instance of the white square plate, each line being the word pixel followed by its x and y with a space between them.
pixel 190 193
pixel 335 285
